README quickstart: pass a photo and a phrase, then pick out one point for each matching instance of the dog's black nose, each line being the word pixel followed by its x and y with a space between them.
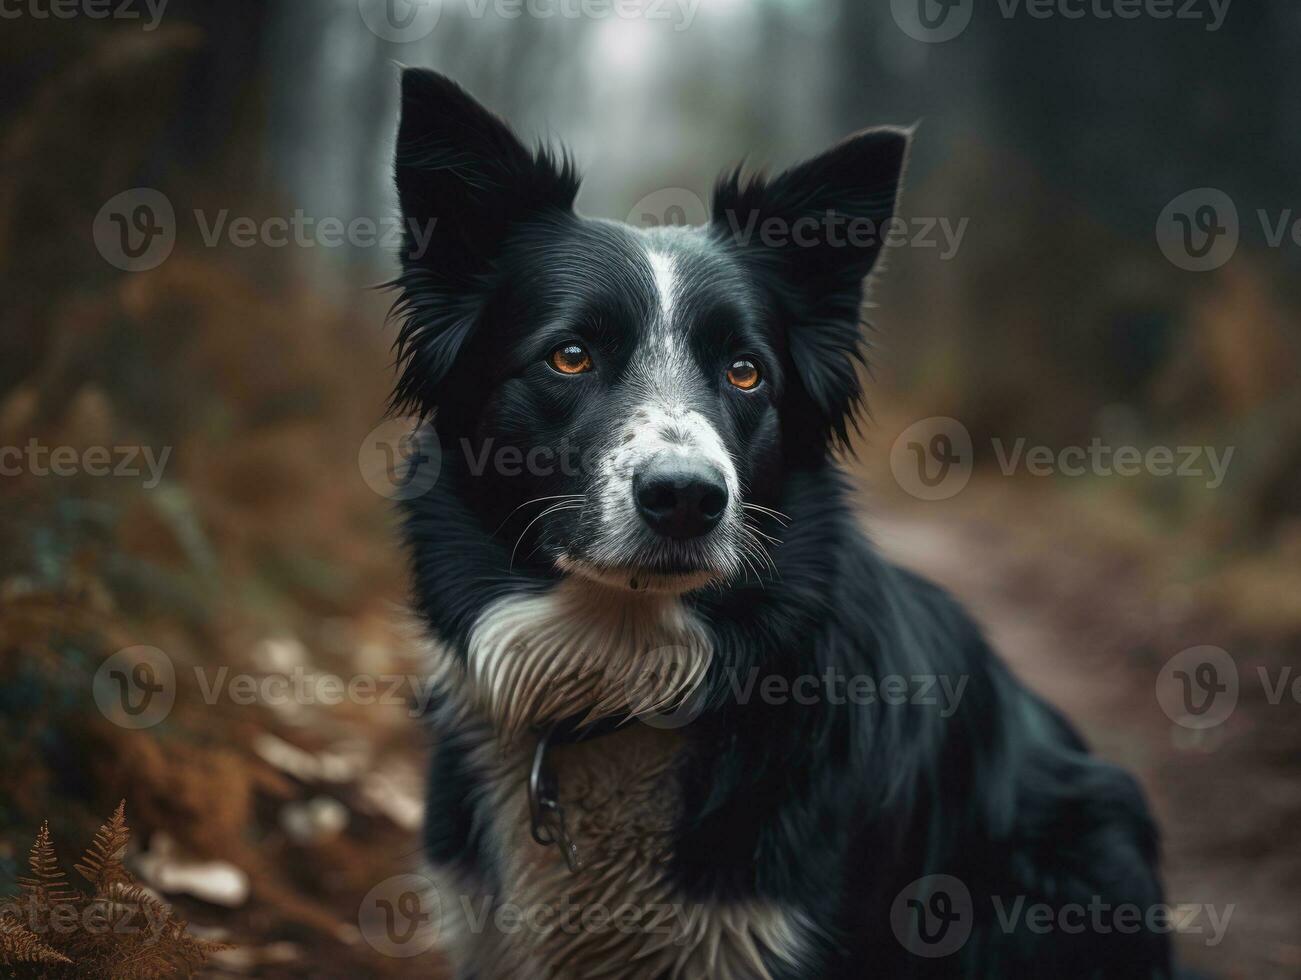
pixel 680 497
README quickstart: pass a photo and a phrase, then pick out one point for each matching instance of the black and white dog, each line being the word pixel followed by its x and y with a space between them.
pixel 644 579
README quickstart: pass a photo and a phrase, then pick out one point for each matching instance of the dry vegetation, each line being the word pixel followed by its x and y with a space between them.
pixel 119 930
pixel 263 551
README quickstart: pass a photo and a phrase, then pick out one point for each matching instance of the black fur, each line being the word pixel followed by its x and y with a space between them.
pixel 830 808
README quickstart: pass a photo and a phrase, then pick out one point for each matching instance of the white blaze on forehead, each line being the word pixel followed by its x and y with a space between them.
pixel 665 271
pixel 662 419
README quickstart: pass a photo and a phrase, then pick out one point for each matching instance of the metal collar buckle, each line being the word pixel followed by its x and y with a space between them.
pixel 546 813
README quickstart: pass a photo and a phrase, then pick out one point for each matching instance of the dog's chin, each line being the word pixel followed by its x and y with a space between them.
pixel 633 578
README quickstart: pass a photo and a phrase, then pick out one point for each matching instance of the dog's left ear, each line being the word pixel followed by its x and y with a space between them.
pixel 464 182
pixel 813 234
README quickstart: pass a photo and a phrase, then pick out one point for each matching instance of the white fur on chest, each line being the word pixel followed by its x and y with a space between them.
pixel 619 915
pixel 583 651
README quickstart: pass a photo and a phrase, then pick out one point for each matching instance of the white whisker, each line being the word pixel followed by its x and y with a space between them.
pixel 538 500
pixel 553 509
pixel 775 514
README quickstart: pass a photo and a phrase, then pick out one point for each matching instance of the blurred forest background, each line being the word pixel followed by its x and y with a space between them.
pixel 1057 319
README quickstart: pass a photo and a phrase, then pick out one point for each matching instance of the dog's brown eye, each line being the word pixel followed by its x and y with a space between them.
pixel 571 359
pixel 744 375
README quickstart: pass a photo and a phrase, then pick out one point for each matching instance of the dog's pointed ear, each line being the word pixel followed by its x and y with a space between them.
pixel 463 181
pixel 813 234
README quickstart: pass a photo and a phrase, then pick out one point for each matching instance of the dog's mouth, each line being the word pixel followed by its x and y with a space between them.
pixel 662 514
pixel 673 578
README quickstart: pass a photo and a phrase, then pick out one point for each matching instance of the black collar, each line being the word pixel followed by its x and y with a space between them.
pixel 545 812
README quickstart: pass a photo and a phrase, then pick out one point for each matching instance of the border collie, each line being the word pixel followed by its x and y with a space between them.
pixel 680 728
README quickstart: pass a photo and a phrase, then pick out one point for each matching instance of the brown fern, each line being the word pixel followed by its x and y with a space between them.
pixel 119 931
pixel 19 945
pixel 46 886
pixel 101 865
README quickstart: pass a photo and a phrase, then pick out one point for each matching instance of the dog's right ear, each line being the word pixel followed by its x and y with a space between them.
pixel 463 180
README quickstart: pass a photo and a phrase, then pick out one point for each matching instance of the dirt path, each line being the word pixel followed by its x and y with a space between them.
pixel 1229 802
